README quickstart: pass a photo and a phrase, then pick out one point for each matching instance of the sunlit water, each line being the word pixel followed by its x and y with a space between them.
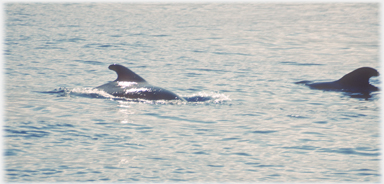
pixel 245 118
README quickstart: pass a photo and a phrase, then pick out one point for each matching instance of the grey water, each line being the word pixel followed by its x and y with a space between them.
pixel 245 121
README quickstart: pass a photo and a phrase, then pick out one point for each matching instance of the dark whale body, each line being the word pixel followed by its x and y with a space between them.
pixel 355 81
pixel 130 85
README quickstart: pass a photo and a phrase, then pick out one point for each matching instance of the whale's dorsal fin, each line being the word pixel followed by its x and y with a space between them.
pixel 125 74
pixel 359 76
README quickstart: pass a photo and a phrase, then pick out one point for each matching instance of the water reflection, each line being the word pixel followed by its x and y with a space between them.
pixel 365 96
pixel 126 111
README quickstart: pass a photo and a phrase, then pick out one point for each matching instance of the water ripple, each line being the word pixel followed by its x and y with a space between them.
pixel 347 151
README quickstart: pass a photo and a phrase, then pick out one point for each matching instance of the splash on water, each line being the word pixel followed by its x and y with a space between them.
pixel 198 98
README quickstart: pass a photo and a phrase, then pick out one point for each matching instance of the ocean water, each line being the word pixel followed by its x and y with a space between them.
pixel 245 119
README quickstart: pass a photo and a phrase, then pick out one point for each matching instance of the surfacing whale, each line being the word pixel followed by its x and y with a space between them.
pixel 130 85
pixel 355 81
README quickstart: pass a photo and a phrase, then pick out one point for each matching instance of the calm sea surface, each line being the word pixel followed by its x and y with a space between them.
pixel 245 120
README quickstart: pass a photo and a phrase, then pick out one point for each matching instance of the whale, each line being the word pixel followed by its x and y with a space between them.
pixel 356 81
pixel 130 85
